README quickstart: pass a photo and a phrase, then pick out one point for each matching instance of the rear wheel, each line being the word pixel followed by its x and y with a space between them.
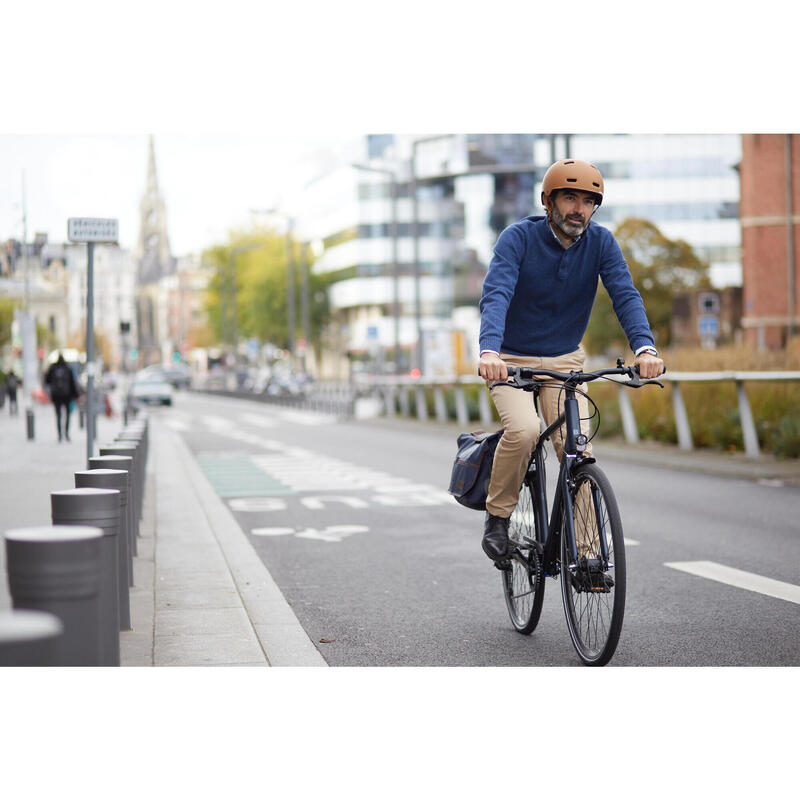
pixel 593 590
pixel 523 583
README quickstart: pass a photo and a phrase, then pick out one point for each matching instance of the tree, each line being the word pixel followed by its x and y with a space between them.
pixel 7 307
pixel 661 269
pixel 44 336
pixel 102 345
pixel 254 294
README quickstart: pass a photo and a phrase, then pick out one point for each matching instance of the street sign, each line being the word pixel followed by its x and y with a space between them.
pixel 91 229
pixel 708 327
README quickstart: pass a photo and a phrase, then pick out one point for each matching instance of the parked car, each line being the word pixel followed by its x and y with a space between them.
pixel 150 389
pixel 178 375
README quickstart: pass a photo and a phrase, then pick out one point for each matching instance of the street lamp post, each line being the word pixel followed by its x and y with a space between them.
pixel 395 263
pixel 305 314
pixel 290 287
pixel 231 282
pixel 415 234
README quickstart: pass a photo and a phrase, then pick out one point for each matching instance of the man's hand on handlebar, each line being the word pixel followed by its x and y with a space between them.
pixel 650 366
pixel 492 368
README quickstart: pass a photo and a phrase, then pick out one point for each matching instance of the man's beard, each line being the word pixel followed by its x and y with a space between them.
pixel 572 229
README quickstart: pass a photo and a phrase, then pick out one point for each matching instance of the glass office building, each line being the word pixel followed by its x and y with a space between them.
pixel 469 187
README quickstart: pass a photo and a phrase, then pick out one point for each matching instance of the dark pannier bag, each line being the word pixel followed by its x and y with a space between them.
pixel 472 468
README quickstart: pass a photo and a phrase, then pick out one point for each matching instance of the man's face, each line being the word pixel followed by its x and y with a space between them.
pixel 571 210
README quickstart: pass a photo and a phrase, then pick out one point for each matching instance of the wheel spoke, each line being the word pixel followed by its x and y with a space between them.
pixel 523 594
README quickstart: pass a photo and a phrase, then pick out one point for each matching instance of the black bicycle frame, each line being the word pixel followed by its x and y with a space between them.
pixel 562 502
pixel 548 534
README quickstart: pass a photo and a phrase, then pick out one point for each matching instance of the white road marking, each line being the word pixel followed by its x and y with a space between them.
pixel 739 578
pixel 412 499
pixel 333 533
pixel 272 531
pixel 318 503
pixel 257 504
pixel 261 420
pixel 306 417
pixel 630 542
pixel 216 423
pixel 177 425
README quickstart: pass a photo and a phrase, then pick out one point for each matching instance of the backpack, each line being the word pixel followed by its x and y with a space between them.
pixel 472 468
pixel 59 382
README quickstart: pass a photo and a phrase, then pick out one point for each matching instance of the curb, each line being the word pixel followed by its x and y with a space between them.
pixel 279 632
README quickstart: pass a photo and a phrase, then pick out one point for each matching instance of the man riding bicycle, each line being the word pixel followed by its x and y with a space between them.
pixel 535 306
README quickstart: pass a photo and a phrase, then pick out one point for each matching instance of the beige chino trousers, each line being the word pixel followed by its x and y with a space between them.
pixel 521 424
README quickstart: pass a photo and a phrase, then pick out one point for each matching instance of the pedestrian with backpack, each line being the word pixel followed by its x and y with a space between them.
pixel 63 390
pixel 12 384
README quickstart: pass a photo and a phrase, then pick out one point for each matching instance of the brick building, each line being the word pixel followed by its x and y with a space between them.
pixel 770 216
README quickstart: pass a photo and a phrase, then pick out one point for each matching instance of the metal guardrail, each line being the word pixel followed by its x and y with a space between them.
pixel 397 389
pixel 393 394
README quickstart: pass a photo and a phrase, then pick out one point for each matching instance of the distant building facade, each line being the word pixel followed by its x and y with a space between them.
pixel 56 276
pixel 770 190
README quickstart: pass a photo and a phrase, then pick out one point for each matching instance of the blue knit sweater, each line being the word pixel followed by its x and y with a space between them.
pixel 537 297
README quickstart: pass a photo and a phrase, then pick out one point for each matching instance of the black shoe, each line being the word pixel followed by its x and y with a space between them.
pixel 495 537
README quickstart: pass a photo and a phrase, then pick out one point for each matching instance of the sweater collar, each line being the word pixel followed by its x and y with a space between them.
pixel 545 222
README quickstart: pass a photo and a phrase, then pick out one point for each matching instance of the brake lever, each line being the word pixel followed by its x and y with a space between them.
pixel 636 381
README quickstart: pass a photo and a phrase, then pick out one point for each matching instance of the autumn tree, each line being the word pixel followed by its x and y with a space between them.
pixel 248 292
pixel 7 307
pixel 661 268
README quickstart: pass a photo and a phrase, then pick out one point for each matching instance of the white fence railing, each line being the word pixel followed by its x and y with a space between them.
pixel 396 391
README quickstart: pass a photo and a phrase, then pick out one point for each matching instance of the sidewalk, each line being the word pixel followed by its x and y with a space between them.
pixel 202 596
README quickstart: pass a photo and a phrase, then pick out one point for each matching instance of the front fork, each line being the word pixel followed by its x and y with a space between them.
pixel 573 440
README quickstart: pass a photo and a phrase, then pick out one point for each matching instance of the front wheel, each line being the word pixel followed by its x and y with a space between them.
pixel 523 582
pixel 593 589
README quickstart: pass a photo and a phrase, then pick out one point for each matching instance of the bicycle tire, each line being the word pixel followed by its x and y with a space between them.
pixel 523 582
pixel 594 610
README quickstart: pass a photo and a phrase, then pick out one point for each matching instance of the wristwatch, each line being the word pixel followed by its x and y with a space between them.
pixel 648 349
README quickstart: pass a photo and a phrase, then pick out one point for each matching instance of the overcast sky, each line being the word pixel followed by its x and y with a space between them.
pixel 238 97
pixel 209 182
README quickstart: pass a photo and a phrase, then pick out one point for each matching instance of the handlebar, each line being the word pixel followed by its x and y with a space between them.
pixel 528 377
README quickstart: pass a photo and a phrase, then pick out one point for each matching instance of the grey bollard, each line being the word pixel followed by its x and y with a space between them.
pixel 124 463
pixel 139 438
pixel 57 569
pixel 98 508
pixel 115 479
pixel 29 638
pixel 140 457
pixel 29 424
pixel 131 450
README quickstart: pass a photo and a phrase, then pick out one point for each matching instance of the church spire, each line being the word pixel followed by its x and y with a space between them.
pixel 152 178
pixel 153 251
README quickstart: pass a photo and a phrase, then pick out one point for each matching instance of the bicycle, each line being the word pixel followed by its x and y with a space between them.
pixel 582 542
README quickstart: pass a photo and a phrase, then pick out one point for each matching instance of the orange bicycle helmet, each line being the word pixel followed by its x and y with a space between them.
pixel 570 173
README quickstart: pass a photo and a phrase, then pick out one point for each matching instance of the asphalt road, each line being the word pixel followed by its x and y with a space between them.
pixel 382 567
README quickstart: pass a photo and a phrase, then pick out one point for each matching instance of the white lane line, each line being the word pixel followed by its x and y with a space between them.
pixel 177 425
pixel 739 578
pixel 261 420
pixel 306 417
pixel 630 542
